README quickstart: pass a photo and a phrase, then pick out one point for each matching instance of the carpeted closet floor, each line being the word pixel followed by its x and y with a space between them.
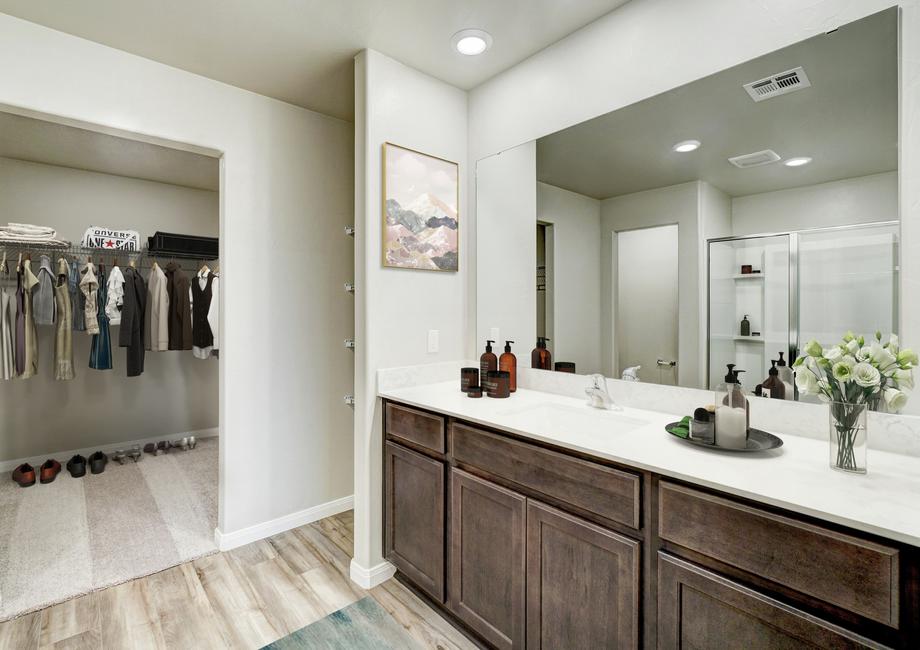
pixel 74 536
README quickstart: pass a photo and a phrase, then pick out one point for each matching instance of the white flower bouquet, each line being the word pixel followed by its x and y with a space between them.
pixel 855 376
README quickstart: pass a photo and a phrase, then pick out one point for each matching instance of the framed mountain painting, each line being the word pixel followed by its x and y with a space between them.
pixel 421 194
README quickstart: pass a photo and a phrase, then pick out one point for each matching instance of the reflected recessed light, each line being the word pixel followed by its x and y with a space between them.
pixel 797 161
pixel 686 145
pixel 471 41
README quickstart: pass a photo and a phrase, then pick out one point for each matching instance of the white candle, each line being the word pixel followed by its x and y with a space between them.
pixel 731 427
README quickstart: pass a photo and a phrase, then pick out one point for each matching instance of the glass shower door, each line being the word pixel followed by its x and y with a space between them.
pixel 847 281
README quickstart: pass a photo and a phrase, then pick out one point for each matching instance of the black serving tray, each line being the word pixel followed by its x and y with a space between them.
pixel 757 440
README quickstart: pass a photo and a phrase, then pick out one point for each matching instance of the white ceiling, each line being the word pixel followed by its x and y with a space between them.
pixel 847 121
pixel 33 140
pixel 300 51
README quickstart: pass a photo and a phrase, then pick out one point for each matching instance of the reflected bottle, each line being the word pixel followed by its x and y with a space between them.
pixel 540 357
pixel 786 376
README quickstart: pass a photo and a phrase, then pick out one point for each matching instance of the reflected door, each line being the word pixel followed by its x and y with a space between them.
pixel 645 334
pixel 748 306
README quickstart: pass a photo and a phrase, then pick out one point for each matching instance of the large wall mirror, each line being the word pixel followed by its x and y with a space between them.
pixel 729 220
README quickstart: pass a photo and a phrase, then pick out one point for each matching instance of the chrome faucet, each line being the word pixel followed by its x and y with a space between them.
pixel 598 397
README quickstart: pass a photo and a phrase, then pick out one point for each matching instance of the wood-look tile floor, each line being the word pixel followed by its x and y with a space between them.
pixel 244 598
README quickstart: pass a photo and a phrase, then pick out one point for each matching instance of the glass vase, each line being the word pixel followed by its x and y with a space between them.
pixel 848 437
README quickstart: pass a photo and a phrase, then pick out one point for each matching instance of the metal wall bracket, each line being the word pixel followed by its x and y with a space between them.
pixel 349 344
pixel 350 231
pixel 349 400
pixel 350 287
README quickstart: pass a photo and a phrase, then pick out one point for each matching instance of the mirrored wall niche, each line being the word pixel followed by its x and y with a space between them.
pixel 725 221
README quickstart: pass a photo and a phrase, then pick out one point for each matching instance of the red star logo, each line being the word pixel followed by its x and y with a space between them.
pixel 108 243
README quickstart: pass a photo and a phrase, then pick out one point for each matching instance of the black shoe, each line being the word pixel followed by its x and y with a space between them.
pixel 97 462
pixel 77 466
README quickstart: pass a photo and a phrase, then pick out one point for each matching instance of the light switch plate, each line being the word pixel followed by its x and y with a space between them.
pixel 495 334
pixel 434 342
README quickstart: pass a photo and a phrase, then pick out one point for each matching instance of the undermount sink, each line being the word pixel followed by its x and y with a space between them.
pixel 564 418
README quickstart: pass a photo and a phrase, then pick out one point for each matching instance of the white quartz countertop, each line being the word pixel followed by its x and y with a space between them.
pixel 797 477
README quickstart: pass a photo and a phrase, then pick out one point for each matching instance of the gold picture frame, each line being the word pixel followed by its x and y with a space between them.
pixel 420 211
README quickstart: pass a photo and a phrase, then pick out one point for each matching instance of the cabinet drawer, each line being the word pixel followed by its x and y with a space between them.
pixel 851 573
pixel 418 427
pixel 701 609
pixel 604 491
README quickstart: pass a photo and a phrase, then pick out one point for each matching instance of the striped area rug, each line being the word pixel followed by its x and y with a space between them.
pixel 363 625
pixel 75 536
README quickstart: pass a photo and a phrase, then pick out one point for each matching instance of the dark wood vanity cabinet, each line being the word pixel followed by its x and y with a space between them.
pixel 414 493
pixel 582 583
pixel 526 545
pixel 486 554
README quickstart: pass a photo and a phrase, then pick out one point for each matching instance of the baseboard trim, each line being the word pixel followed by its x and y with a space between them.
pixel 237 538
pixel 63 456
pixel 370 578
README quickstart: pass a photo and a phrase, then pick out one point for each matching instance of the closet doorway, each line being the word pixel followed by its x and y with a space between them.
pixel 115 229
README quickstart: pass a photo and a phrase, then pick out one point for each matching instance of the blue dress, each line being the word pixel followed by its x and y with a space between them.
pixel 100 353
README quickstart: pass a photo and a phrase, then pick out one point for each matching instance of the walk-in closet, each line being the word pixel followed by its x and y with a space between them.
pixel 110 288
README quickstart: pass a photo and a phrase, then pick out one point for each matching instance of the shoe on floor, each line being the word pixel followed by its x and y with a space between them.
pixel 24 475
pixel 97 462
pixel 49 471
pixel 77 466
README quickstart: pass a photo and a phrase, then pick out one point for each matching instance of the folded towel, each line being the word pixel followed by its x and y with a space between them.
pixel 28 229
pixel 9 238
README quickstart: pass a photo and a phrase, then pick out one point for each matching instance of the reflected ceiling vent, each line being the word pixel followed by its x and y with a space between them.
pixel 755 159
pixel 778 84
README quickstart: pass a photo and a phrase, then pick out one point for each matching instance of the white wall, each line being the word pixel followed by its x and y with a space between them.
pixel 395 308
pixel 576 221
pixel 715 221
pixel 677 204
pixel 506 245
pixel 286 193
pixel 838 203
pixel 176 393
pixel 606 65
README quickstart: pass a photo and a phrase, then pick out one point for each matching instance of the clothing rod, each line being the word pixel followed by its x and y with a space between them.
pixel 98 253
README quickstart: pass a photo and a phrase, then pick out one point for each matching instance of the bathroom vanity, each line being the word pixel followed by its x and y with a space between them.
pixel 612 535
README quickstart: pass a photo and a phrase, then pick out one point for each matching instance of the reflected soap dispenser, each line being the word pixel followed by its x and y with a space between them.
pixel 540 357
pixel 732 412
pixel 508 363
pixel 786 376
pixel 745 326
pixel 488 362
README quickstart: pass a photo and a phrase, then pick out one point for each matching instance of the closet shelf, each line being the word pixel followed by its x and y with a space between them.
pixel 97 254
pixel 748 276
pixel 751 339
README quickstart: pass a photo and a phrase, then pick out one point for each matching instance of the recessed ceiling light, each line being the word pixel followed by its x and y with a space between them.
pixel 686 145
pixel 798 161
pixel 471 41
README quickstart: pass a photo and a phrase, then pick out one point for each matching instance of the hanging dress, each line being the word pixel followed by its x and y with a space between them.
pixel 100 353
pixel 63 341
pixel 43 298
pixel 7 334
pixel 30 334
pixel 89 287
pixel 19 333
pixel 77 299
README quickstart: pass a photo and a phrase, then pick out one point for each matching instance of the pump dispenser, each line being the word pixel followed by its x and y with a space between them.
pixel 540 357
pixel 488 362
pixel 773 387
pixel 508 363
pixel 732 412
pixel 786 376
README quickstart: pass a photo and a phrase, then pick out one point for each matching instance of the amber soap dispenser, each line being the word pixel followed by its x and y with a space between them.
pixel 508 363
pixel 488 362
pixel 540 358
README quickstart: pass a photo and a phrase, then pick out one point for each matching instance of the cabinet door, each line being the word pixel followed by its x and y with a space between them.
pixel 582 583
pixel 486 587
pixel 414 507
pixel 701 609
